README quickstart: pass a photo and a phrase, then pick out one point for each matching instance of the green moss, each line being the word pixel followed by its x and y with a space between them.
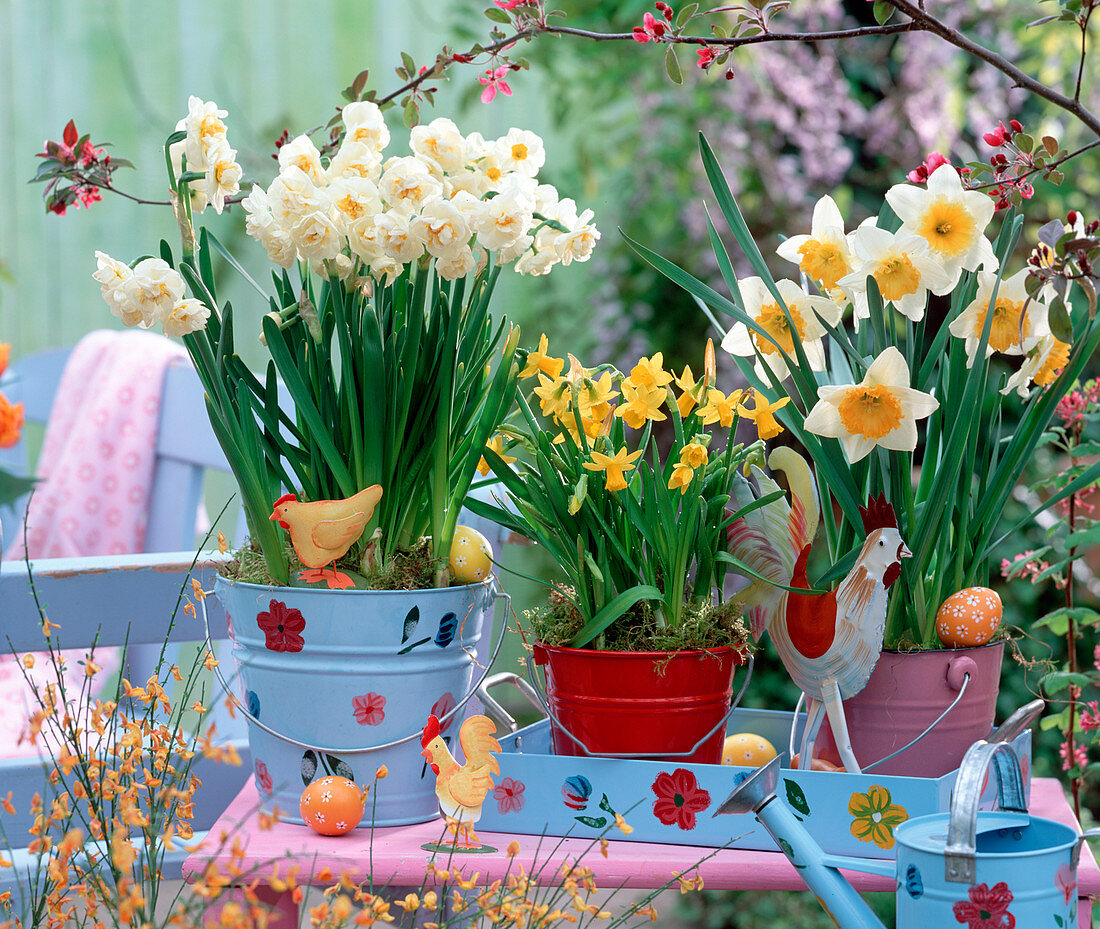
pixel 706 625
pixel 411 570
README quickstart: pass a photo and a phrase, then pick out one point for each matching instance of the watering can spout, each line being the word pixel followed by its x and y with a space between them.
pixel 756 794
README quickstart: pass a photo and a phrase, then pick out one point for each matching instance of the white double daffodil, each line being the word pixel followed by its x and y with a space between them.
pixel 902 266
pixel 882 409
pixel 762 307
pixel 1017 323
pixel 950 219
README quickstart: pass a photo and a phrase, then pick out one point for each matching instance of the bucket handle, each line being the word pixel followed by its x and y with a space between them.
pixel 544 705
pixel 494 710
pixel 963 824
pixel 498 595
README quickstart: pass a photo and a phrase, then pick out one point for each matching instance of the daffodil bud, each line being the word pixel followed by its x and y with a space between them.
pixel 580 492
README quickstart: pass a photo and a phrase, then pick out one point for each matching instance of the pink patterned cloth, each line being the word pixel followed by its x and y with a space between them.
pixel 96 467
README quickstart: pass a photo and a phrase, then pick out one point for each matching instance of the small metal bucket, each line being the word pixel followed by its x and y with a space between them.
pixel 994 869
pixel 342 682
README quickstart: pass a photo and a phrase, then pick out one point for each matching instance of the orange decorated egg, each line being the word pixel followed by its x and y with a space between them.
pixel 332 805
pixel 747 750
pixel 969 617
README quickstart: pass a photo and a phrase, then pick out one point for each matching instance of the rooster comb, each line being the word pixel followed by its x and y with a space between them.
pixel 878 514
pixel 285 498
pixel 431 730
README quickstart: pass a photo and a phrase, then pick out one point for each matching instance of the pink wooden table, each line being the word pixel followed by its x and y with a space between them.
pixel 398 860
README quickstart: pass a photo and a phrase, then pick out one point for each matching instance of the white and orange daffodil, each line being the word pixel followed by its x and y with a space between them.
pixel 1041 365
pixel 882 409
pixel 952 220
pixel 762 307
pixel 823 255
pixel 903 268
pixel 1017 322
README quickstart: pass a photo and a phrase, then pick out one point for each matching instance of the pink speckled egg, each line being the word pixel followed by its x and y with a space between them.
pixel 969 618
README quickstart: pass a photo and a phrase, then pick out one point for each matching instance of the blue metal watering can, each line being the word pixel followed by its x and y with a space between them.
pixel 965 868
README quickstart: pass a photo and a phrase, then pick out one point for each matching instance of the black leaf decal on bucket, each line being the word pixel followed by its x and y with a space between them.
pixel 309 766
pixel 411 621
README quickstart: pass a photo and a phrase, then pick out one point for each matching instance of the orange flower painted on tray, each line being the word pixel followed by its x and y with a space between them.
pixel 874 816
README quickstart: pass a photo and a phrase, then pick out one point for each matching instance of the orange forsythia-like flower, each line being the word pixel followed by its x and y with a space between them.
pixel 11 422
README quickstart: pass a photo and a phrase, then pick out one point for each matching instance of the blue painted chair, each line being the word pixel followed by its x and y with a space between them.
pixel 118 600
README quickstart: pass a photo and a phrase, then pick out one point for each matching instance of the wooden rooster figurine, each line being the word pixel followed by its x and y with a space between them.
pixel 462 789
pixel 828 642
pixel 324 530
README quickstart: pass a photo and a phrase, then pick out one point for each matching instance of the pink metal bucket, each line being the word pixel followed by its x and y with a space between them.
pixel 906 693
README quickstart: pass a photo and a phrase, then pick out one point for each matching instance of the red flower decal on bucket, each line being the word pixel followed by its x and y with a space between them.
pixel 370 709
pixel 987 907
pixel 509 795
pixel 442 707
pixel 282 626
pixel 679 798
pixel 263 778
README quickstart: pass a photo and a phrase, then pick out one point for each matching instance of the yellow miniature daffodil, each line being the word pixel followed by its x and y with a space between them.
pixel 595 397
pixel 641 405
pixel 649 372
pixel 719 408
pixel 538 361
pixel 687 401
pixel 554 396
pixel 763 414
pixel 615 465
pixel 495 444
pixel 882 409
pixel 682 475
pixel 694 455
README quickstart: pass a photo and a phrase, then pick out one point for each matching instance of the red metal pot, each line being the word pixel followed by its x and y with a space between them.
pixel 905 694
pixel 659 704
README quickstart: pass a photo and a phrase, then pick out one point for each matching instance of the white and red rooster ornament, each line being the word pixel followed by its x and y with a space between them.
pixel 829 642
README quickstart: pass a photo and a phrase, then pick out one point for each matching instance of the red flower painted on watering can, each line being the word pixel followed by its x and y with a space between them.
pixel 370 709
pixel 509 795
pixel 679 798
pixel 987 907
pixel 1066 881
pixel 442 707
pixel 263 777
pixel 281 625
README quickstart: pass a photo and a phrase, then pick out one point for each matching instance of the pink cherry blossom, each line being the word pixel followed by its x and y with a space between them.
pixel 493 81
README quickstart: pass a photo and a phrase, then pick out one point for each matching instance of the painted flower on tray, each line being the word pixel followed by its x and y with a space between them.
pixel 282 627
pixel 263 777
pixel 575 792
pixel 370 709
pixel 679 798
pixel 874 816
pixel 986 908
pixel 509 795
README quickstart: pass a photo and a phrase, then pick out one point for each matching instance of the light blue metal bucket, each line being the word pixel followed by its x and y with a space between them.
pixel 342 682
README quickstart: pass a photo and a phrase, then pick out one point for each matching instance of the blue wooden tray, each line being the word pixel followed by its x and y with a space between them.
pixel 539 793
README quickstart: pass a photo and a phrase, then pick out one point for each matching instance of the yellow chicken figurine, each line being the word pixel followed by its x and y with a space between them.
pixel 324 530
pixel 461 789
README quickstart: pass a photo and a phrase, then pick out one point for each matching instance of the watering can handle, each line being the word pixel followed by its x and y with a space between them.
pixel 963 825
pixel 498 595
pixel 544 705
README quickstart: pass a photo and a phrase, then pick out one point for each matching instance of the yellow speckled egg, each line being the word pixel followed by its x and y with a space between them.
pixel 471 556
pixel 969 617
pixel 747 750
pixel 332 805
